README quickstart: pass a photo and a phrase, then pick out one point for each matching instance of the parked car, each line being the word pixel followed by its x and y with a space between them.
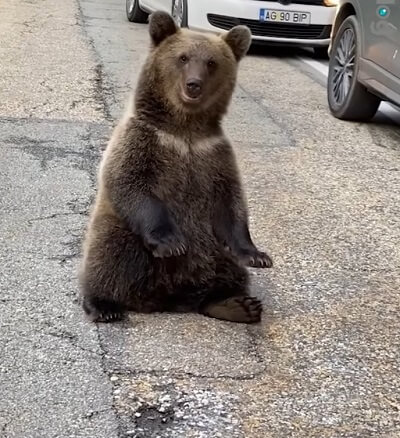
pixel 289 22
pixel 364 66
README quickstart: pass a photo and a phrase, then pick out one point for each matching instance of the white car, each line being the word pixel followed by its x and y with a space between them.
pixel 288 22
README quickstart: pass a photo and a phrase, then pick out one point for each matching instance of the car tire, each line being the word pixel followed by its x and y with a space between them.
pixel 321 52
pixel 348 99
pixel 179 12
pixel 135 13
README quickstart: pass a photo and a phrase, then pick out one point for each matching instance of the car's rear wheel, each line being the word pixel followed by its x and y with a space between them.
pixel 347 98
pixel 134 13
pixel 179 12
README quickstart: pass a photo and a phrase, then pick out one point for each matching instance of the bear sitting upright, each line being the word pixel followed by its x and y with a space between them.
pixel 169 228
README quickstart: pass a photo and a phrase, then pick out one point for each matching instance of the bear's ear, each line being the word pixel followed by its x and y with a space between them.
pixel 239 40
pixel 161 26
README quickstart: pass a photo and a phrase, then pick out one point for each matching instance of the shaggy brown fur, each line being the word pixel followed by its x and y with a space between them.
pixel 169 228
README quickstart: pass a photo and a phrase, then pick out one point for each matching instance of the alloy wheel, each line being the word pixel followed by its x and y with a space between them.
pixel 343 68
pixel 131 5
pixel 177 12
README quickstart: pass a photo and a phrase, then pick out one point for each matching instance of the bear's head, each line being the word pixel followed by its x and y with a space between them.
pixel 193 72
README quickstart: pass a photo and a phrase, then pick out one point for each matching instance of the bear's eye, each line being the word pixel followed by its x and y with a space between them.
pixel 183 59
pixel 211 63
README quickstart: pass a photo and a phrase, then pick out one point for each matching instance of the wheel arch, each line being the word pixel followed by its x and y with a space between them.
pixel 346 10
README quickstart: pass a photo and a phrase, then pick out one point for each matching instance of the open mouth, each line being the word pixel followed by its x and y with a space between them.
pixel 188 99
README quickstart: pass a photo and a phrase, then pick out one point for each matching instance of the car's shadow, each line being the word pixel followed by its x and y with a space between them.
pixel 283 52
pixel 289 53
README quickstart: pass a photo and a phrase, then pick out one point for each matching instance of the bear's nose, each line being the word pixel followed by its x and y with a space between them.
pixel 193 87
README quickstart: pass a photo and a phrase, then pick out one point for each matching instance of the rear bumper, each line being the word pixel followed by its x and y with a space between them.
pixel 221 15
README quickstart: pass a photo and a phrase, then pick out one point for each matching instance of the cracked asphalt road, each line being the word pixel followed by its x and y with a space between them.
pixel 324 199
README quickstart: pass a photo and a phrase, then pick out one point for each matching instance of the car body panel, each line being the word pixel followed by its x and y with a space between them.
pixel 245 10
pixel 382 35
pixel 382 82
pixel 379 63
pixel 156 5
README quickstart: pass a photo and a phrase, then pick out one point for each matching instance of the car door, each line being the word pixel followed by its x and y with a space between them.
pixel 157 5
pixel 395 38
pixel 381 26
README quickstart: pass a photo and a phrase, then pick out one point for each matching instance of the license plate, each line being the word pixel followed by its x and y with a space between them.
pixel 285 16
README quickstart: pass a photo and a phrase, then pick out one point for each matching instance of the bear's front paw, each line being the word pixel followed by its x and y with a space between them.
pixel 168 245
pixel 254 258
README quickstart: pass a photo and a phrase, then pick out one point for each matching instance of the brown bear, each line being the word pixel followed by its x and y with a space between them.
pixel 169 228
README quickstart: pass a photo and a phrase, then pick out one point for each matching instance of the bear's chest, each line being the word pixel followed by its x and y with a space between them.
pixel 187 178
pixel 187 171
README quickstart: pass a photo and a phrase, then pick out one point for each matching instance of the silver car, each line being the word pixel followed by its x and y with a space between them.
pixel 364 65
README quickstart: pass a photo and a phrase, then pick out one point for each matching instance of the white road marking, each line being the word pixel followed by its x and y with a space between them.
pixel 316 65
pixel 390 111
pixel 385 108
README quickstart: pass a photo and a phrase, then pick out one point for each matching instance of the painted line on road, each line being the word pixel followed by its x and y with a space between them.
pixel 322 68
pixel 387 109
pixel 390 111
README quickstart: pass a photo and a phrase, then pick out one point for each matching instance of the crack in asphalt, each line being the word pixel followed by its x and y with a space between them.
pixel 102 87
pixel 278 122
pixel 55 215
pixel 71 339
pixel 45 154
pixel 102 354
pixel 185 374
pixel 21 120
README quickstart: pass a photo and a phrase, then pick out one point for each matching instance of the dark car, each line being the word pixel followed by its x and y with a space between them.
pixel 364 66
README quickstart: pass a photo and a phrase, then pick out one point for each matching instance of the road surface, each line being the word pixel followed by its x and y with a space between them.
pixel 324 198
